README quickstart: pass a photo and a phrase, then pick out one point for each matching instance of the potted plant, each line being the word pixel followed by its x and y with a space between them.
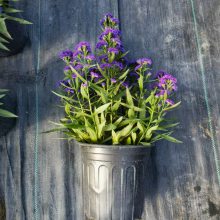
pixel 115 110
pixel 12 36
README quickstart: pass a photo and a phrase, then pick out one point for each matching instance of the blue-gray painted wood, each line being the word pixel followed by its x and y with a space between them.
pixel 182 179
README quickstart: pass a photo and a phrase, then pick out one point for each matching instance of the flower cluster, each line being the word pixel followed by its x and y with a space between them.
pixel 166 84
pixel 126 94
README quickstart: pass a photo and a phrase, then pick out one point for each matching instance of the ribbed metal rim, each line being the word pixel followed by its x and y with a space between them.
pixel 113 146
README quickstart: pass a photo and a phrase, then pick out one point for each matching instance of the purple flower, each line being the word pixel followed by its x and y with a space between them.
pixel 76 53
pixel 103 84
pixel 117 41
pixel 63 83
pixel 90 57
pixel 67 69
pixel 143 61
pixel 66 54
pixel 84 84
pixel 161 93
pixel 125 84
pixel 101 44
pixel 109 20
pixel 167 82
pixel 105 66
pixel 74 76
pixel 149 74
pixel 78 66
pixel 160 74
pixel 69 90
pixel 103 57
pixel 95 75
pixel 60 83
pixel 113 80
pixel 118 64
pixel 170 102
pixel 113 50
pixel 83 46
pixel 138 67
pixel 115 33
pixel 133 74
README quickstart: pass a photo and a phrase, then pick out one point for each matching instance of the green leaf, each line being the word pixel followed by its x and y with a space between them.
pixel 171 139
pixel 124 74
pixel 2 40
pixel 102 108
pixel 146 144
pixel 3 95
pixel 134 137
pixel 7 114
pixel 128 140
pixel 3 90
pixel 150 130
pixel 82 135
pixel 118 121
pixel 3 29
pixel 116 106
pixel 67 109
pixel 100 91
pixel 102 117
pixel 141 83
pixel 170 125
pixel 172 106
pixel 101 129
pixel 115 139
pixel 65 97
pixel 131 113
pixel 102 72
pixel 3 47
pixel 78 75
pixel 110 127
pixel 129 98
pixel 134 107
pixel 92 134
pixel 84 92
pixel 19 20
pixel 11 10
pixel 140 127
pixel 125 131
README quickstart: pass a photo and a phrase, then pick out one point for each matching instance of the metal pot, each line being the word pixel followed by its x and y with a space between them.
pixel 113 181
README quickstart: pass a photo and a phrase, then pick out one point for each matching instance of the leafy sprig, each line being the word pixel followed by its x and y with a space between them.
pixel 108 100
pixel 7 13
pixel 4 113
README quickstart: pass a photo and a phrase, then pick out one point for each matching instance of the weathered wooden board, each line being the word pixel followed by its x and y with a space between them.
pixel 182 180
pixel 185 184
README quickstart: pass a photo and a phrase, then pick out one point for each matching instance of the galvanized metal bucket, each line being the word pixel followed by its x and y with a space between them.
pixel 113 181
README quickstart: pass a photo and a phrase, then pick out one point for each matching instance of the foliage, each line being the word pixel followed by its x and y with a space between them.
pixel 108 100
pixel 6 13
pixel 5 113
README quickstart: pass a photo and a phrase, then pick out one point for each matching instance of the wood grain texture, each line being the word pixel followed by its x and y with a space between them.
pixel 182 179
pixel 185 184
